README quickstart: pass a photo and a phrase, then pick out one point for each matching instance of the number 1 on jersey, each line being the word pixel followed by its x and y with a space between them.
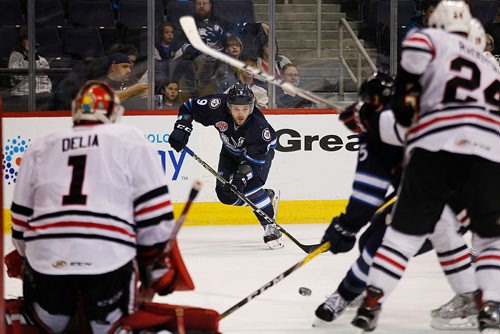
pixel 75 195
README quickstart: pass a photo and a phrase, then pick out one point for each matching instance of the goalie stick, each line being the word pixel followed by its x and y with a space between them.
pixel 305 248
pixel 188 24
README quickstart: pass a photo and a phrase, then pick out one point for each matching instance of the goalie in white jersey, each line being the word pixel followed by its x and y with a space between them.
pixel 448 93
pixel 88 201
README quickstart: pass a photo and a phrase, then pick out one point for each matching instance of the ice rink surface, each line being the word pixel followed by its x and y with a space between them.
pixel 227 263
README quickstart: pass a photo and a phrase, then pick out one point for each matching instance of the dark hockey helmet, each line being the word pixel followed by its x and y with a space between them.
pixel 240 94
pixel 96 101
pixel 380 84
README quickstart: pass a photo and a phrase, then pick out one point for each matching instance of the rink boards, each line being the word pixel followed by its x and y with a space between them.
pixel 313 166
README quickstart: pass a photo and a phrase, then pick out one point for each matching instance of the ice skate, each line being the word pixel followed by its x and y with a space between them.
pixel 489 318
pixel 355 304
pixel 367 315
pixel 272 236
pixel 459 313
pixel 330 310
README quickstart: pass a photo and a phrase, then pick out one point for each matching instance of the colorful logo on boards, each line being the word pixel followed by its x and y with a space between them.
pixel 12 156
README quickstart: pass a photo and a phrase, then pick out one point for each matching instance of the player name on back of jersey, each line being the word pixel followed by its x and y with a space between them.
pixel 78 142
pixel 476 53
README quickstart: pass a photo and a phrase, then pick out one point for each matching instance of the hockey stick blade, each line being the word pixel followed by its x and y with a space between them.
pixel 322 248
pixel 306 248
pixel 188 24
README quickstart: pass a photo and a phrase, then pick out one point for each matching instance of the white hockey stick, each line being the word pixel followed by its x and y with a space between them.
pixel 189 26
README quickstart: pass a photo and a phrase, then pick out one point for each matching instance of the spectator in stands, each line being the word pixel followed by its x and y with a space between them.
pixel 290 74
pixel 99 66
pixel 119 69
pixel 18 59
pixel 263 60
pixel 167 46
pixel 247 78
pixel 420 20
pixel 225 75
pixel 169 93
pixel 493 28
pixel 212 29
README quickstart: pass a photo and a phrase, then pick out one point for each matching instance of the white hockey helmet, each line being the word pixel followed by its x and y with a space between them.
pixel 451 16
pixel 477 35
pixel 96 101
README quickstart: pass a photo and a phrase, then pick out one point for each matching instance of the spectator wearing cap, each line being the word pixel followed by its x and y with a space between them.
pixel 119 69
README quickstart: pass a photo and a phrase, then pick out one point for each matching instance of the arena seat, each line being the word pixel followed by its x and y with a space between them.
pixel 234 11
pixel 133 13
pixel 11 12
pixel 49 42
pixel 49 12
pixel 101 13
pixel 82 42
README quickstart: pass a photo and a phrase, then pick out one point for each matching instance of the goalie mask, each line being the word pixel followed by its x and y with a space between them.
pixel 451 16
pixel 96 102
pixel 240 94
pixel 378 84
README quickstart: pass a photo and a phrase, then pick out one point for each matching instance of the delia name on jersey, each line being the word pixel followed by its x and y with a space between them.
pixel 75 143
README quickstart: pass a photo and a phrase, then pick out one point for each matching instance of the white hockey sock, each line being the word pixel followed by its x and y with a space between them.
pixel 488 266
pixel 391 259
pixel 453 253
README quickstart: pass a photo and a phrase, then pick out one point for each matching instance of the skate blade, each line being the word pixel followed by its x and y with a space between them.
pixel 320 322
pixel 275 244
pixel 469 322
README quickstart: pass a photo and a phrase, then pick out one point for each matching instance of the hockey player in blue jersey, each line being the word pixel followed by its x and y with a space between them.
pixel 378 167
pixel 248 143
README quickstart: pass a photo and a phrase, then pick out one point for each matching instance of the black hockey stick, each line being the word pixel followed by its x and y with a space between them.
pixel 305 248
pixel 188 24
pixel 320 249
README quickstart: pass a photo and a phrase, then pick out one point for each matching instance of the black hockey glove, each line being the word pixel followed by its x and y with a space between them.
pixel 360 117
pixel 179 138
pixel 241 177
pixel 342 239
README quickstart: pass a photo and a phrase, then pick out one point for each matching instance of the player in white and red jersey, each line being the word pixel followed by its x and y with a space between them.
pixel 87 202
pixel 447 92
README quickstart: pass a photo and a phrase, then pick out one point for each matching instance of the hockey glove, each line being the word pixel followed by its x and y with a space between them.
pixel 241 177
pixel 179 138
pixel 360 117
pixel 342 239
pixel 15 264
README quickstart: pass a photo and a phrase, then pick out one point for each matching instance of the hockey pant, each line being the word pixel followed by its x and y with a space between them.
pixel 254 189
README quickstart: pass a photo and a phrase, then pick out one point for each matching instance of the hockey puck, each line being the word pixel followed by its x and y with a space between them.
pixel 305 291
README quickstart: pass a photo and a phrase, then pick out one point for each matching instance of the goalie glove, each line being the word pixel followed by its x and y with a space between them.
pixel 15 264
pixel 159 277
